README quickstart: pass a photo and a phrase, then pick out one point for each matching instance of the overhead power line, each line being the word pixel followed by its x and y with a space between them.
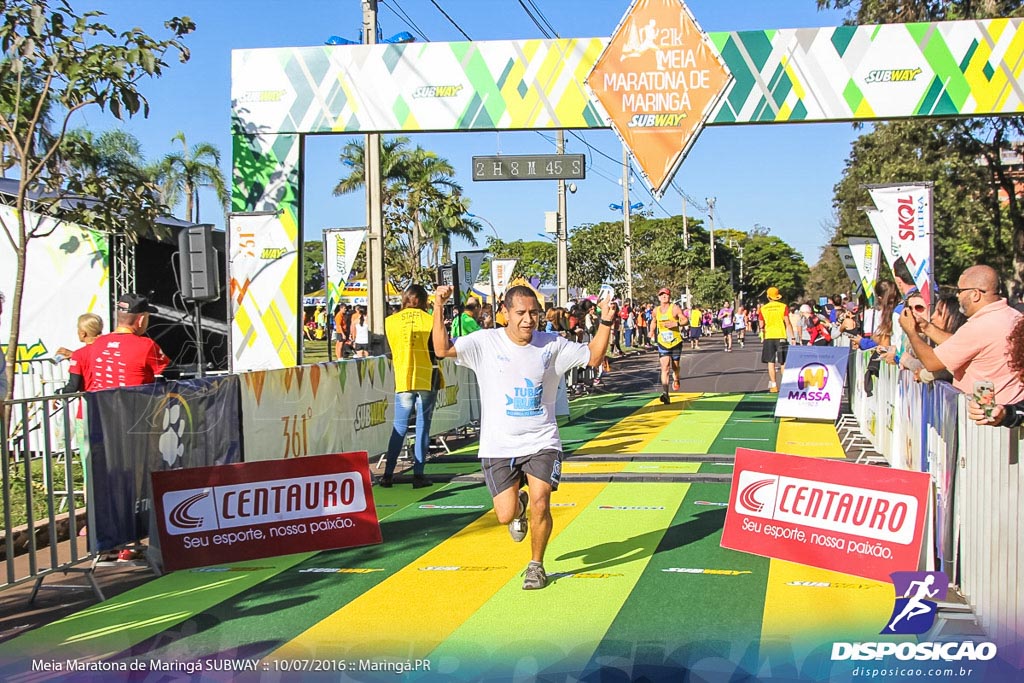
pixel 452 21
pixel 404 17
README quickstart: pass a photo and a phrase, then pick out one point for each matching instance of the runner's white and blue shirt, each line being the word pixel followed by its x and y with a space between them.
pixel 518 388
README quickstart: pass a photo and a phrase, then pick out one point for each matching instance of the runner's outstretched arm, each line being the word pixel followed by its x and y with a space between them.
pixel 439 335
pixel 599 344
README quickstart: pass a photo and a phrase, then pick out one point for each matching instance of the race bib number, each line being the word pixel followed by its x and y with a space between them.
pixel 667 335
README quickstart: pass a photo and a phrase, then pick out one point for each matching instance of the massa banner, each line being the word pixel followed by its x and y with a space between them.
pixel 212 515
pixel 812 383
pixel 857 519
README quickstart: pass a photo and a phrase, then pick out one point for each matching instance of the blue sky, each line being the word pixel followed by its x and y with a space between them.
pixel 777 176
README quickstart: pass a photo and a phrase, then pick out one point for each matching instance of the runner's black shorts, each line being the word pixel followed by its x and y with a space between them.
pixel 675 352
pixel 774 351
pixel 504 473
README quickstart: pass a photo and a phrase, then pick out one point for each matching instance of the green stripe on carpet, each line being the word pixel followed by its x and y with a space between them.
pixel 722 597
pixel 696 427
pixel 751 425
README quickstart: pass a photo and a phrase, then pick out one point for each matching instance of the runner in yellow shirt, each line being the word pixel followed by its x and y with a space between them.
pixel 666 330
pixel 777 333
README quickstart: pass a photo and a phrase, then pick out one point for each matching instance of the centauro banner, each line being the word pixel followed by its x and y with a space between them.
pixel 907 213
pixel 213 515
pixel 341 246
pixel 263 283
pixel 857 519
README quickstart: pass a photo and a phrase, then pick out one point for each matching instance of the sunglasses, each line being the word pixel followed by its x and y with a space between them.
pixel 917 308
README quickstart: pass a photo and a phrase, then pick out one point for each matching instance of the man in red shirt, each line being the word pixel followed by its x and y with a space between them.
pixel 124 357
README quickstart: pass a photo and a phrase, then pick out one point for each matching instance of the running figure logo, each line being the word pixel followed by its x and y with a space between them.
pixel 915 608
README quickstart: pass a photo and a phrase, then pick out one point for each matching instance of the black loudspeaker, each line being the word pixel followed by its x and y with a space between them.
pixel 198 273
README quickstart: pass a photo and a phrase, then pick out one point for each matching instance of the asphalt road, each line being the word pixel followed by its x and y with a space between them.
pixel 709 369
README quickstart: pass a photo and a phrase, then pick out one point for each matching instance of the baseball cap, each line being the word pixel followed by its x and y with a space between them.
pixel 133 303
pixel 773 293
pixel 806 309
pixel 665 290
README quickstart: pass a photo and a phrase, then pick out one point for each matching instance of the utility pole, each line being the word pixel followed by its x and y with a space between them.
pixel 686 246
pixel 711 218
pixel 562 233
pixel 628 255
pixel 376 282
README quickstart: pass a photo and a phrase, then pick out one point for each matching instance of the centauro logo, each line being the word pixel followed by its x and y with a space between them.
pixel 261 502
pixel 271 253
pixel 892 75
pixel 437 91
pixel 371 414
pixel 448 396
pixel 656 120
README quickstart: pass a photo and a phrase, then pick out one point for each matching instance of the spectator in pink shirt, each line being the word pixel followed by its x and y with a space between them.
pixel 978 350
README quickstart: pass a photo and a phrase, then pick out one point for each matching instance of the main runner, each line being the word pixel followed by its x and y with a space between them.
pixel 518 369
pixel 666 326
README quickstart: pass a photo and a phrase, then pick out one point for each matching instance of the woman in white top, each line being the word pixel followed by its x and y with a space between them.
pixel 360 333
pixel 740 320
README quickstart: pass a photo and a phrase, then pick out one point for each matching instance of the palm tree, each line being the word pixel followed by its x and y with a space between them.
pixel 186 172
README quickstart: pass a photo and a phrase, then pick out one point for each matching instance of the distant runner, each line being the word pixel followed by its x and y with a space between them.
pixel 666 330
pixel 518 370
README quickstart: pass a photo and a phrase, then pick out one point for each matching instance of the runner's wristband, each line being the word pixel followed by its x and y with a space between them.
pixel 607 323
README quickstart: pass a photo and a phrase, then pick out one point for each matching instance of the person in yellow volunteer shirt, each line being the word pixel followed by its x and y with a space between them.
pixel 696 326
pixel 666 329
pixel 417 380
pixel 777 333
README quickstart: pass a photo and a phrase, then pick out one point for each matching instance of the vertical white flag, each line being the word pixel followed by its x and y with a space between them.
pixel 846 258
pixel 886 238
pixel 907 212
pixel 501 274
pixel 341 246
pixel 865 258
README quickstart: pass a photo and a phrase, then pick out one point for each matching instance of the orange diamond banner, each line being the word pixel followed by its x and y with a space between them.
pixel 658 79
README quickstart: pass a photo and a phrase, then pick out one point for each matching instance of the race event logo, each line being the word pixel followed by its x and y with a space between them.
pixel 914 612
pixel 175 421
pixel 892 75
pixel 262 502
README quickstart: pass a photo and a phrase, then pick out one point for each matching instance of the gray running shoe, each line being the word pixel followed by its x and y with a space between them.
pixel 536 577
pixel 520 525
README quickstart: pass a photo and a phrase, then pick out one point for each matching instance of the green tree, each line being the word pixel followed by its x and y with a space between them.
pixel 770 262
pixel 186 172
pixel 535 258
pixel 421 201
pixel 312 266
pixel 55 64
pixel 962 238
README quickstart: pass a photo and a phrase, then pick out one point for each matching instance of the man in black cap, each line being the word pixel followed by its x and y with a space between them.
pixel 124 357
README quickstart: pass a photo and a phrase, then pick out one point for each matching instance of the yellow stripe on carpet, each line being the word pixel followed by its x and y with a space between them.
pixel 812 439
pixel 414 611
pixel 631 434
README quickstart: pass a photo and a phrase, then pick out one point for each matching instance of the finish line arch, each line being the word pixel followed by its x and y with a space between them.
pixel 278 95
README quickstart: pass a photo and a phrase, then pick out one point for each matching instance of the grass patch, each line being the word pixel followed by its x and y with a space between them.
pixel 18 496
